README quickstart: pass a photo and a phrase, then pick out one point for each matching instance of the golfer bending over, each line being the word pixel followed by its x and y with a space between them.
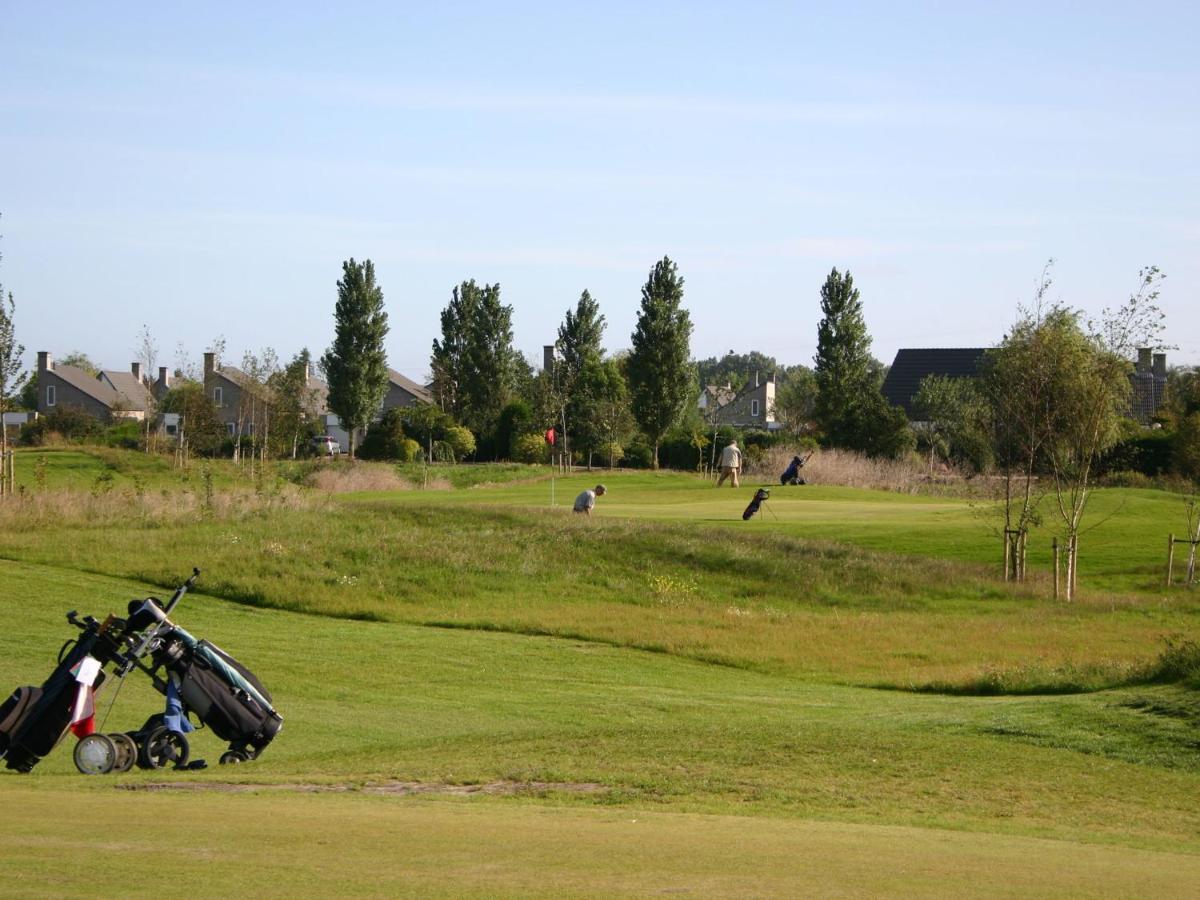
pixel 585 501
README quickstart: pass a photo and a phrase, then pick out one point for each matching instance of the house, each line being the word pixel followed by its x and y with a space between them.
pixel 109 395
pixel 752 407
pixel 1149 382
pixel 912 366
pixel 235 396
pixel 403 391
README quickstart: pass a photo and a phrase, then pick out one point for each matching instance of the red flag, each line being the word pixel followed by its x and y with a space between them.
pixel 550 436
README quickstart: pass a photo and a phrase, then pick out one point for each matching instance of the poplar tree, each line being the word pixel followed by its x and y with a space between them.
pixel 660 374
pixel 843 357
pixel 355 365
pixel 576 371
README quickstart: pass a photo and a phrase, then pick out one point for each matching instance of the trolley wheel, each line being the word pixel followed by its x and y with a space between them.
pixel 163 747
pixel 127 751
pixel 95 754
pixel 233 757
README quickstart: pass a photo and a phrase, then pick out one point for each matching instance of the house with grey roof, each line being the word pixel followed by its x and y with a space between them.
pixel 912 366
pixel 752 407
pixel 108 395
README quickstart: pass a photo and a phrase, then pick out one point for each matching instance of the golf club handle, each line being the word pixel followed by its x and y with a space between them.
pixel 181 590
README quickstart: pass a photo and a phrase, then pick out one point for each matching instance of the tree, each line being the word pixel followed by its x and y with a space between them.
pixel 11 376
pixel 660 374
pixel 843 360
pixel 80 360
pixel 355 365
pixel 198 424
pixel 796 401
pixel 950 420
pixel 570 387
pixel 474 364
pixel 294 405
pixel 1058 394
pixel 146 352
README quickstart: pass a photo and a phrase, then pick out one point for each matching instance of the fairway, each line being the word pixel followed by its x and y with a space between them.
pixel 486 696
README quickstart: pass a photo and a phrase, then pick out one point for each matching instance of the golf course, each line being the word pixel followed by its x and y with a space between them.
pixel 485 695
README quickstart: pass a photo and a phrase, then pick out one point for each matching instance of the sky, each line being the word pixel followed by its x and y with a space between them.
pixel 203 170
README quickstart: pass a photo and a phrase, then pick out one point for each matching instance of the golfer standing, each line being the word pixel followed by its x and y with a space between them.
pixel 731 461
pixel 587 500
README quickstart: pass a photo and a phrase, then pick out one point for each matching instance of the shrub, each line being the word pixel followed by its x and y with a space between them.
pixel 530 448
pixel 1147 452
pixel 515 420
pixel 460 441
pixel 126 435
pixel 410 451
pixel 384 439
pixel 638 455
pixel 66 422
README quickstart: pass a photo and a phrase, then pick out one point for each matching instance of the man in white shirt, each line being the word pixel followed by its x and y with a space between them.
pixel 731 462
pixel 587 500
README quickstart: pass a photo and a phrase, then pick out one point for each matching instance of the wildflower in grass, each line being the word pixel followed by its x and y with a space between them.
pixel 671 586
pixel 349 580
pixel 274 548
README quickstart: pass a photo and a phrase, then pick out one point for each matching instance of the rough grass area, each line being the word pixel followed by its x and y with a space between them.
pixel 700 778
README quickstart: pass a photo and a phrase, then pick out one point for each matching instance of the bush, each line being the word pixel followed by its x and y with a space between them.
pixel 530 448
pixel 126 435
pixel 410 451
pixel 385 439
pixel 638 455
pixel 1147 452
pixel 65 422
pixel 460 440
pixel 515 421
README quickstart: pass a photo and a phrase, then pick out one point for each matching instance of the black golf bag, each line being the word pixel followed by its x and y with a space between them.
pixel 34 719
pixel 220 691
pixel 760 497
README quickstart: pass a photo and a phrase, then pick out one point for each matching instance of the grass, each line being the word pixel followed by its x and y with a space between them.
pixel 633 703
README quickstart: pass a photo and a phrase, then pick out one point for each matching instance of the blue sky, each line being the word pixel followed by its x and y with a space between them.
pixel 204 170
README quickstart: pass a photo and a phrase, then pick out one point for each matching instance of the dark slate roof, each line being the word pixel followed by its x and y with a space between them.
pixel 911 366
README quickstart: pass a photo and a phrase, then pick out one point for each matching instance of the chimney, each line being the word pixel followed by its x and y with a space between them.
pixel 45 361
pixel 1160 365
pixel 136 369
pixel 756 377
pixel 548 358
pixel 1143 360
pixel 164 376
pixel 307 372
pixel 210 364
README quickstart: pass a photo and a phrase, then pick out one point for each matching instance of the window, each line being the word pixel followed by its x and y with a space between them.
pixel 51 395
pixel 249 428
pixel 218 396
pixel 228 425
pixel 754 408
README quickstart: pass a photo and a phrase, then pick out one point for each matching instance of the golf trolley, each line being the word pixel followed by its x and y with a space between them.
pixel 196 677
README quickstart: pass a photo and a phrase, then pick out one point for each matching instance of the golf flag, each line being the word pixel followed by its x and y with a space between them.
pixel 83 713
pixel 550 435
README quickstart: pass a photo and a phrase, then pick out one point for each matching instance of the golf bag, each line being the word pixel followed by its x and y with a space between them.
pixel 760 497
pixel 34 719
pixel 220 691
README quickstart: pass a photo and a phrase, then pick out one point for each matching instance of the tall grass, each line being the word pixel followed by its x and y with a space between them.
pixel 847 468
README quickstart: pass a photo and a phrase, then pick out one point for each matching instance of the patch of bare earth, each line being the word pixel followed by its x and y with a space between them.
pixel 386 788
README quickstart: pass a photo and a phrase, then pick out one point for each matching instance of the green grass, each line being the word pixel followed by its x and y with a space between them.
pixel 661 698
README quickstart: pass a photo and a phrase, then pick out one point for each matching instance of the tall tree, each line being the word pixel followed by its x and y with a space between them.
pixel 355 365
pixel 146 352
pixel 294 405
pixel 660 374
pixel 474 364
pixel 843 360
pixel 11 376
pixel 575 371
